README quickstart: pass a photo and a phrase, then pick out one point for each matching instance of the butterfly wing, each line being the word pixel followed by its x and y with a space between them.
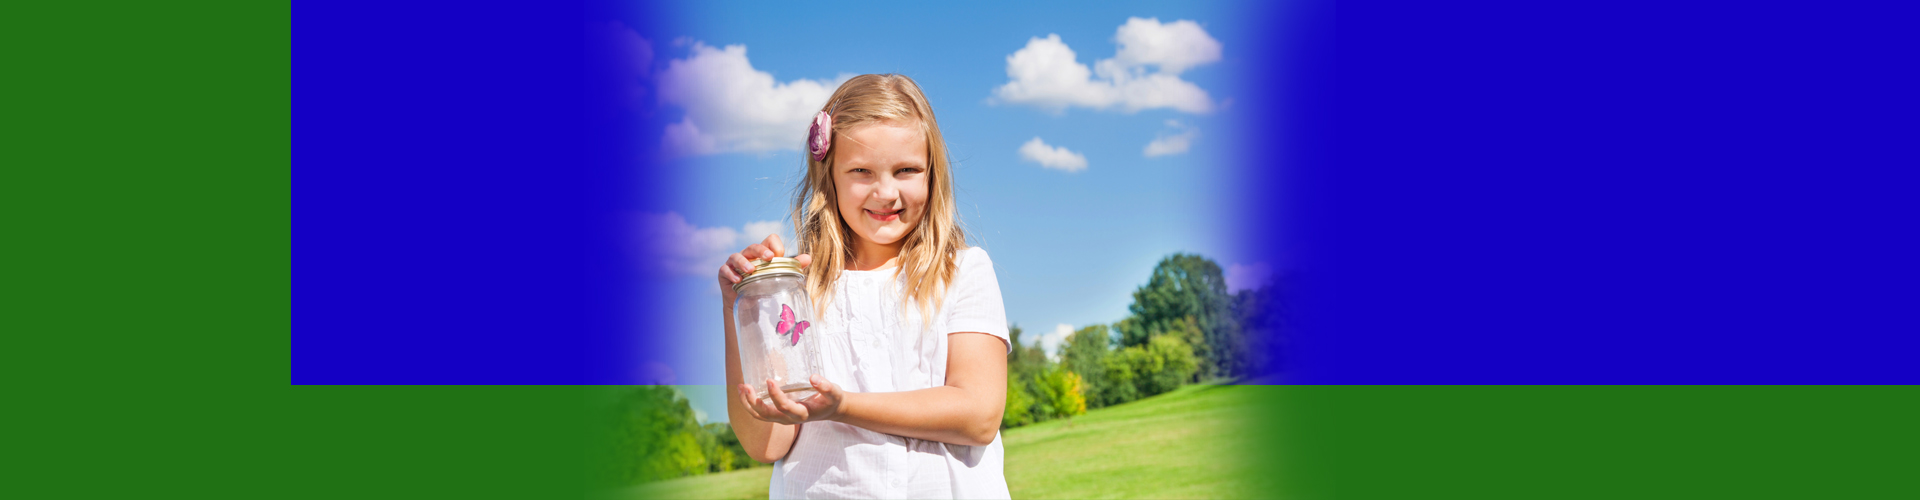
pixel 786 319
pixel 797 329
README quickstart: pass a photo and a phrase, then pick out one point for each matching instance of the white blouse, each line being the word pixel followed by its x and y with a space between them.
pixel 871 341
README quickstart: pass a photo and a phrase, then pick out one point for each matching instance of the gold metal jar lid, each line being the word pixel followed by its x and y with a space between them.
pixel 777 266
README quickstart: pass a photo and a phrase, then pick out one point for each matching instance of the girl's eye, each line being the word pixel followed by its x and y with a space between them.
pixel 909 170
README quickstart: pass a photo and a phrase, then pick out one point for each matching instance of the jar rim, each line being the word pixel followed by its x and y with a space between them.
pixel 770 268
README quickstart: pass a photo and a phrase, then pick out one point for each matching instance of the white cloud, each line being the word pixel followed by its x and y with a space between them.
pixel 1047 74
pixel 1173 47
pixel 1174 144
pixel 1052 157
pixel 1242 277
pixel 731 107
pixel 668 243
pixel 1050 342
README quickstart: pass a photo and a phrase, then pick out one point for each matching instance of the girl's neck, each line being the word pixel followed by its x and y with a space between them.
pixel 868 256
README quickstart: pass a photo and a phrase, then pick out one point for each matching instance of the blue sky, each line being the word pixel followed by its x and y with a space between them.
pixel 1069 243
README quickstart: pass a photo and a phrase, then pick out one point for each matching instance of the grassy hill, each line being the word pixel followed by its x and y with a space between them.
pixel 1183 444
pixel 740 484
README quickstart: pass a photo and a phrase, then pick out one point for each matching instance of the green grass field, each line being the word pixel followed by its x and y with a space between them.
pixel 740 484
pixel 1183 444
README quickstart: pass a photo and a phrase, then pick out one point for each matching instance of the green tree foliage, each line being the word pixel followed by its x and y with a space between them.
pixel 1183 327
pixel 1186 286
pixel 1019 404
pixel 1164 364
pixel 1025 363
pixel 682 457
pixel 1060 393
pixel 1085 353
pixel 728 454
pixel 650 433
pixel 1173 364
pixel 1025 360
pixel 1119 369
pixel 651 436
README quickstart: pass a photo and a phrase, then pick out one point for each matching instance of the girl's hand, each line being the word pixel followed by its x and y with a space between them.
pixel 738 267
pixel 783 410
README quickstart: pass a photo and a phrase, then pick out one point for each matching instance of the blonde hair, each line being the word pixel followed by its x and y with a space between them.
pixel 927 254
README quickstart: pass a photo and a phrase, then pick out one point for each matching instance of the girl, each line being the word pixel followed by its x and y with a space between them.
pixel 913 333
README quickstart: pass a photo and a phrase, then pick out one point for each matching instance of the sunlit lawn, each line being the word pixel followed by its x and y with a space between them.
pixel 1184 444
pixel 740 484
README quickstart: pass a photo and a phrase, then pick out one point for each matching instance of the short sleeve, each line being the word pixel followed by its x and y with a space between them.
pixel 973 303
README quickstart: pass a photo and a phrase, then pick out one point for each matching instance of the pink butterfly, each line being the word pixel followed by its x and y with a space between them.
pixel 787 323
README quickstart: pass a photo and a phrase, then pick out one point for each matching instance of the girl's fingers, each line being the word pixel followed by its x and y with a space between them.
pixel 772 412
pixel 759 408
pixel 753 406
pixel 746 399
pixel 740 266
pixel 773 244
pixel 757 251
pixel 798 412
pixel 793 410
pixel 829 395
pixel 726 273
pixel 804 260
pixel 774 393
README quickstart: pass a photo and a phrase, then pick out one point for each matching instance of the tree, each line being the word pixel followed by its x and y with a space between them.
pixel 651 435
pixel 1182 327
pixel 1019 404
pixel 1025 360
pixel 1174 365
pixel 1161 366
pixel 1085 353
pixel 1121 368
pixel 1186 286
pixel 1014 354
pixel 1025 365
pixel 1061 393
pixel 730 455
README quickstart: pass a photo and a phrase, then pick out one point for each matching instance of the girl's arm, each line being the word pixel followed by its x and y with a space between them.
pixel 965 411
pixel 764 441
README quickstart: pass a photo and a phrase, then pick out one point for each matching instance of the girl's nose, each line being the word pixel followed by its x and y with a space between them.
pixel 886 191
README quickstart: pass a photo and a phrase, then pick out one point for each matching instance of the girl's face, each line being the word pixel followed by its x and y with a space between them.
pixel 880 178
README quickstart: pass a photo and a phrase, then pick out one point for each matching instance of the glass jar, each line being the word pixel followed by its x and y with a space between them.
pixel 774 325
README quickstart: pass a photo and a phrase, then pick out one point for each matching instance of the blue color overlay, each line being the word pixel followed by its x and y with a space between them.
pixel 1506 193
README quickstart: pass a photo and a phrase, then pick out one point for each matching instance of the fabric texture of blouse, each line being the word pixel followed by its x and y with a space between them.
pixel 871 340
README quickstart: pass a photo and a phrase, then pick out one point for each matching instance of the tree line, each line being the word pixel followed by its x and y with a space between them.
pixel 650 432
pixel 1183 327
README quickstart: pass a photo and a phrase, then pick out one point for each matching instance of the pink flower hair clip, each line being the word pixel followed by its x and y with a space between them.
pixel 820 137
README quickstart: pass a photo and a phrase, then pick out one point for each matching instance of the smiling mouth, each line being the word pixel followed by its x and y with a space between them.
pixel 885 216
